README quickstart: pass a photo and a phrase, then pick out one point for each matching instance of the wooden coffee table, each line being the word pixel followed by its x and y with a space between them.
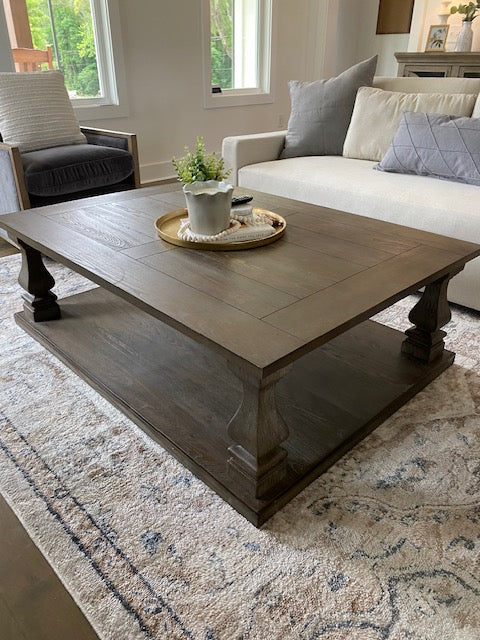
pixel 256 369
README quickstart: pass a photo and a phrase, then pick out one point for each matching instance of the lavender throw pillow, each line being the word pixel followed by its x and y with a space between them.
pixel 440 146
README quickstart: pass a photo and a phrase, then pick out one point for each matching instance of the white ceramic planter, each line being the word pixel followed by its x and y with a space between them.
pixel 208 204
pixel 465 37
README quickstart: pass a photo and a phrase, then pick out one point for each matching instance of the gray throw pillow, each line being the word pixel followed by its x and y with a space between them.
pixel 440 146
pixel 321 111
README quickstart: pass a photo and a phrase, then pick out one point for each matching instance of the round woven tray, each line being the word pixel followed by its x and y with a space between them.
pixel 167 228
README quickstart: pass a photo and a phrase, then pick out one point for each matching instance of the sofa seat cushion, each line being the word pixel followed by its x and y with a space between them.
pixel 71 168
pixel 348 184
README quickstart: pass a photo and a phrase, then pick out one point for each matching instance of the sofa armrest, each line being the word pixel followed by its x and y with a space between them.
pixel 118 139
pixel 239 151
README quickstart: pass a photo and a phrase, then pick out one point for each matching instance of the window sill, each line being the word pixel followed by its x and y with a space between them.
pixel 231 99
pixel 88 112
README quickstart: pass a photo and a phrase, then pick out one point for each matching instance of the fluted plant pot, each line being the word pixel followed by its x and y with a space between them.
pixel 208 204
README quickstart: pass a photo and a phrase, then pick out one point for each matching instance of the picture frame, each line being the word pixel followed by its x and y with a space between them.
pixel 394 16
pixel 437 38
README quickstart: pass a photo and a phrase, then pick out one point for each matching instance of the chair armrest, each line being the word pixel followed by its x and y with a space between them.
pixel 13 191
pixel 239 151
pixel 118 139
pixel 108 138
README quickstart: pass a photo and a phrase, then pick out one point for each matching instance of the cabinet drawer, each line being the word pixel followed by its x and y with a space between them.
pixel 428 70
pixel 469 72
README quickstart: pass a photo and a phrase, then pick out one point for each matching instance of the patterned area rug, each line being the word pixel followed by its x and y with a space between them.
pixel 385 545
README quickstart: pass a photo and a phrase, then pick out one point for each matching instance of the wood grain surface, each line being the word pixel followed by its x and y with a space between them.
pixel 34 605
pixel 264 307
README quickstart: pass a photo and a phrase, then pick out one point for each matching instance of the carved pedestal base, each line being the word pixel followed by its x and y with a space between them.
pixel 39 302
pixel 258 463
pixel 424 346
pixel 425 340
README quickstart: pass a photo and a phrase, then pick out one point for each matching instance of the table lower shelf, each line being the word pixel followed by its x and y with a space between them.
pixel 183 395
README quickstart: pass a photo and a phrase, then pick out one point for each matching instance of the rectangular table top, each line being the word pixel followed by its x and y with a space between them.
pixel 265 306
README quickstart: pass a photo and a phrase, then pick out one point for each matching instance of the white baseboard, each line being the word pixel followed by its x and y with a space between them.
pixel 156 171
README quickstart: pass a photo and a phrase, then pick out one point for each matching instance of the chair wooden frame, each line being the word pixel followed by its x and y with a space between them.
pixel 31 59
pixel 19 175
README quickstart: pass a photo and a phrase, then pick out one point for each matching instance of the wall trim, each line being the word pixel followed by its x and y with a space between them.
pixel 316 39
pixel 154 171
pixel 417 30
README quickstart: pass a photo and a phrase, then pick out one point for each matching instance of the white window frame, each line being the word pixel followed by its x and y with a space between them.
pixel 108 42
pixel 238 97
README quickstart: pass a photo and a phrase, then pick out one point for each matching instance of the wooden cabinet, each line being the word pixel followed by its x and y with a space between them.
pixel 439 65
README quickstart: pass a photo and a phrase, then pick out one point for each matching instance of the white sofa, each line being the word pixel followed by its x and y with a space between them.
pixel 440 206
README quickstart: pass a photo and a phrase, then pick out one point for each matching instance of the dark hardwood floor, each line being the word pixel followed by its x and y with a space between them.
pixel 6 249
pixel 34 605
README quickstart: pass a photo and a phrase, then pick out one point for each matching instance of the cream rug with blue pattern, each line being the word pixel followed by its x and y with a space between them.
pixel 385 545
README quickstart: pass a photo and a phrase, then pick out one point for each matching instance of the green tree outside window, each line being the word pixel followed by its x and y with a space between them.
pixel 74 33
pixel 221 25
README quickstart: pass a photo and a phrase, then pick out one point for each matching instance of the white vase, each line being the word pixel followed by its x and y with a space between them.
pixel 465 37
pixel 209 204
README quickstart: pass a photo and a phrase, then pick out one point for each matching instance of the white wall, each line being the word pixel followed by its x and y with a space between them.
pixel 385 45
pixel 352 37
pixel 162 50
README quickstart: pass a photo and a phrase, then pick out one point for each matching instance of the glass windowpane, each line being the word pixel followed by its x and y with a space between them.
pixel 65 26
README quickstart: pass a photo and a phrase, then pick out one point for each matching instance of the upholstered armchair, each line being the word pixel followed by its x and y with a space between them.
pixel 45 176
pixel 45 157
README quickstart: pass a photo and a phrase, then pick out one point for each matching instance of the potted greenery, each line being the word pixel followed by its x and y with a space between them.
pixel 465 37
pixel 208 196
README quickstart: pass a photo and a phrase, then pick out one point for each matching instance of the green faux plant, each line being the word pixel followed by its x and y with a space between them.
pixel 470 10
pixel 200 166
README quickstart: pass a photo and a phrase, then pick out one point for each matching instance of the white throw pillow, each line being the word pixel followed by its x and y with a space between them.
pixel 36 112
pixel 377 114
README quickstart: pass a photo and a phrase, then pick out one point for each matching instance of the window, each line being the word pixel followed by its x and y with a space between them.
pixel 74 36
pixel 237 51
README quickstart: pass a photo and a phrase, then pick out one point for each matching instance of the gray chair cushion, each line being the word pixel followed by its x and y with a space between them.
pixel 440 146
pixel 71 168
pixel 321 111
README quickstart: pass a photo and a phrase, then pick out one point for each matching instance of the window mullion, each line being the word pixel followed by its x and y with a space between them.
pixel 106 70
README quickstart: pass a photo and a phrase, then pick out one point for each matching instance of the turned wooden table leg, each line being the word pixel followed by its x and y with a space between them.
pixel 258 462
pixel 39 302
pixel 425 340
